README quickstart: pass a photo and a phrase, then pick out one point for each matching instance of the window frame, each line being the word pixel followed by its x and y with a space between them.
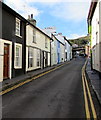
pixel 30 56
pixel 20 56
pixel 38 58
pixel 18 27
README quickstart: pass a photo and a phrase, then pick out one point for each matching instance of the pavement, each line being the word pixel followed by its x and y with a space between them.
pixel 11 82
pixel 95 80
pixel 57 94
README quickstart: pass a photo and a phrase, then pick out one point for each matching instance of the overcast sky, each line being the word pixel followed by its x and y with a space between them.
pixel 68 16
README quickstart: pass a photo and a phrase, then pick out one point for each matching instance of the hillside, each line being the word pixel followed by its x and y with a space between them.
pixel 82 41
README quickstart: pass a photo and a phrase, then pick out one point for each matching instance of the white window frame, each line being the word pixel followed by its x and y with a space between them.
pixel 38 58
pixel 34 36
pixel 20 56
pixel 30 57
pixel 17 34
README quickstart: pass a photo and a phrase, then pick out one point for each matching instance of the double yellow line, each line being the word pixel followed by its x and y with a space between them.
pixel 87 91
pixel 29 80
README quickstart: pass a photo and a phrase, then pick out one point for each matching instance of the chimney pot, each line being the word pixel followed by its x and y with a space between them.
pixel 31 16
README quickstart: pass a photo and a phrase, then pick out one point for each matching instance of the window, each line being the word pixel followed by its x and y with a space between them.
pixel 17 27
pixel 18 55
pixel 34 36
pixel 38 58
pixel 30 57
pixel 46 44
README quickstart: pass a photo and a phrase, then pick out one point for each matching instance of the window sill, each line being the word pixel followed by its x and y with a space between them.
pixel 18 36
pixel 17 67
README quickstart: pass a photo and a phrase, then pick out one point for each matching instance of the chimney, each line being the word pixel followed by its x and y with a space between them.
pixel 31 20
pixel 31 16
pixel 60 34
pixel 28 17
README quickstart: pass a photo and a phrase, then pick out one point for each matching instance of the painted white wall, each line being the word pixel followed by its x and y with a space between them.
pixel 95 25
pixel 96 40
pixel 54 51
pixel 60 38
pixel 40 39
pixel 68 49
pixel 40 43
pixel 71 51
pixel 62 56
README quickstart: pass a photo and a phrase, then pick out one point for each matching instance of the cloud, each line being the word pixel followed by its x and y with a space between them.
pixel 23 7
pixel 71 11
pixel 67 9
pixel 56 1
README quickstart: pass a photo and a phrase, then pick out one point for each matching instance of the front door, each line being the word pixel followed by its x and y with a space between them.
pixel 6 61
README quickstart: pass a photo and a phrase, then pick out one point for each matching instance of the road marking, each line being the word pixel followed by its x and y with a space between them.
pixel 85 98
pixel 29 80
pixel 85 85
pixel 90 98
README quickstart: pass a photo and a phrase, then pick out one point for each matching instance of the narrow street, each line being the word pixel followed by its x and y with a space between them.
pixel 58 94
pixel 50 59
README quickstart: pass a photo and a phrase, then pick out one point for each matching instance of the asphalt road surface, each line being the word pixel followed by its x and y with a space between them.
pixel 58 94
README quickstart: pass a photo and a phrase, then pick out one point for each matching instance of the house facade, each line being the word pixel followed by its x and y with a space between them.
pixel 60 47
pixel 94 21
pixel 68 50
pixel 55 45
pixel 54 50
pixel 37 47
pixel 12 44
pixel 59 43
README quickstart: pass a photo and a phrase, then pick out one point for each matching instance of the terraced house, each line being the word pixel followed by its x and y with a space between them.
pixel 12 44
pixel 37 47
pixel 60 47
pixel 51 32
pixel 24 47
pixel 68 50
pixel 94 25
pixel 54 50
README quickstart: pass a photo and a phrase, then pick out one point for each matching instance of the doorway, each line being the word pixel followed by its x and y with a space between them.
pixel 6 62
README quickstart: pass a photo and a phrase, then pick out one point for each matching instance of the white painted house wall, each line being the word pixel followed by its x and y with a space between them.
pixel 62 56
pixel 62 46
pixel 40 44
pixel 54 51
pixel 96 22
pixel 50 31
pixel 68 51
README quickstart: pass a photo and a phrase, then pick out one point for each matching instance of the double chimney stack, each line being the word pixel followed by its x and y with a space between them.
pixel 31 20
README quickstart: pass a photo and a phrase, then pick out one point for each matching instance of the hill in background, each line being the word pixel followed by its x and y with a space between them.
pixel 81 42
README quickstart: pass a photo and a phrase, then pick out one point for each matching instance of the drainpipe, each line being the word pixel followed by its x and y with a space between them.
pixel 50 50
